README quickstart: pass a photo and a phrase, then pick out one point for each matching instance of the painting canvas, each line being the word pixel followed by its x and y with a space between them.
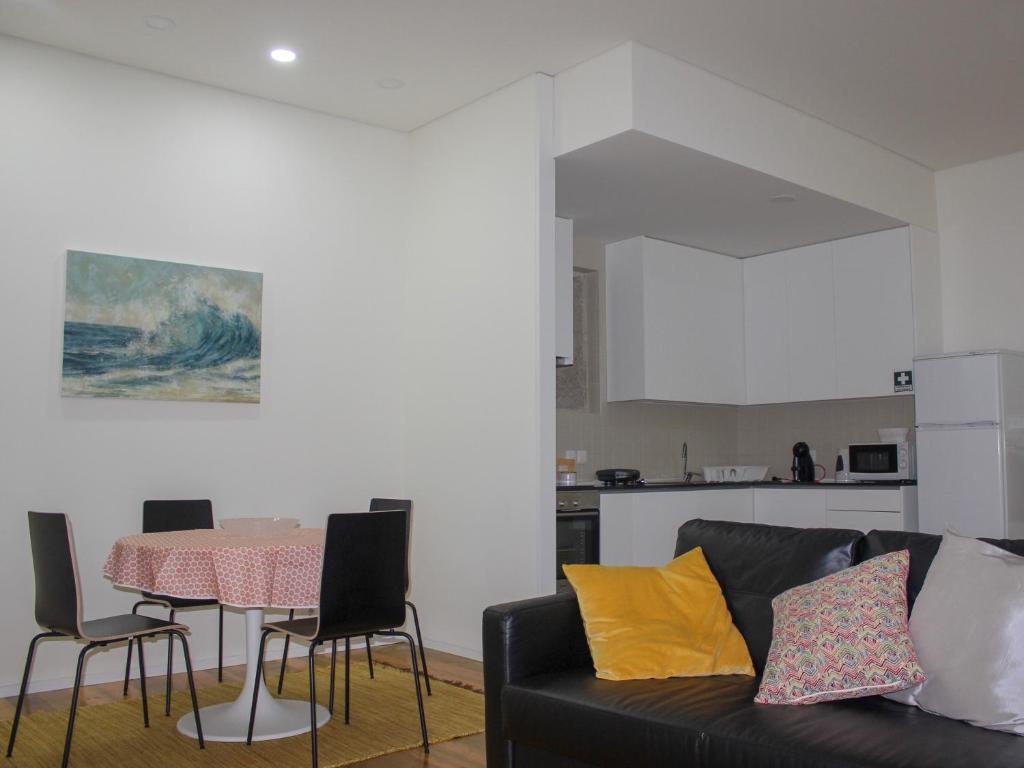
pixel 157 330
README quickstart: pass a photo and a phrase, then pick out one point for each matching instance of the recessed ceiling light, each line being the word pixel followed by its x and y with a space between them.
pixel 390 83
pixel 783 198
pixel 283 55
pixel 161 23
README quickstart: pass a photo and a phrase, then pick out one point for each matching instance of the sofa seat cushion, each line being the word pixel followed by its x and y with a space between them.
pixel 713 721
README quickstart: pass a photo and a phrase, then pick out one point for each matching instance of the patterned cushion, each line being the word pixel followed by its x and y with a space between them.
pixel 843 636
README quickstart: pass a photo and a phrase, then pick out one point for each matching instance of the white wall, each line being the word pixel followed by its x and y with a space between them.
pixel 981 243
pixel 479 356
pixel 95 156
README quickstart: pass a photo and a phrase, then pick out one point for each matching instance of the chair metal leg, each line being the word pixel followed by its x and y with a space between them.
pixel 191 686
pixel 334 664
pixel 369 654
pixel 284 657
pixel 348 655
pixel 24 686
pixel 419 642
pixel 416 677
pixel 170 667
pixel 128 661
pixel 256 687
pixel 74 703
pixel 220 645
pixel 142 682
pixel 127 666
pixel 312 704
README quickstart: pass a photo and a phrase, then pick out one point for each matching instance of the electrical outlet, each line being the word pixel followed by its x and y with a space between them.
pixel 581 457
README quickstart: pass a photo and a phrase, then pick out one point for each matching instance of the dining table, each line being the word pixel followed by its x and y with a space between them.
pixel 252 572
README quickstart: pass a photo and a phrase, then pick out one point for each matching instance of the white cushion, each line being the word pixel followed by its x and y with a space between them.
pixel 968 630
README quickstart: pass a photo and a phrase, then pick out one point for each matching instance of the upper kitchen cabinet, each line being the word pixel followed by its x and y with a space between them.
pixel 563 292
pixel 840 319
pixel 765 288
pixel 874 312
pixel 674 323
pixel 790 325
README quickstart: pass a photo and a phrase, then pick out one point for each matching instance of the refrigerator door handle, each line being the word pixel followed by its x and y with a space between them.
pixel 963 425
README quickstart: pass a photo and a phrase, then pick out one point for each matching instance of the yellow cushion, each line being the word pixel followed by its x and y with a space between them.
pixel 658 622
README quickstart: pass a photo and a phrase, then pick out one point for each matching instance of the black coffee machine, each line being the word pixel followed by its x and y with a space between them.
pixel 803 464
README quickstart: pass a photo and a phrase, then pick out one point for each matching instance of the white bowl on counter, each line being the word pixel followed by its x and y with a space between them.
pixel 893 434
pixel 735 473
pixel 259 526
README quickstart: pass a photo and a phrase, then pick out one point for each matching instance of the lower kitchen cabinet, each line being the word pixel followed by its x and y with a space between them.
pixel 883 509
pixel 640 528
pixel 804 508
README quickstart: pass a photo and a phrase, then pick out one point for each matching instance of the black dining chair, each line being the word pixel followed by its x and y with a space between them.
pixel 161 516
pixel 376 505
pixel 59 612
pixel 362 592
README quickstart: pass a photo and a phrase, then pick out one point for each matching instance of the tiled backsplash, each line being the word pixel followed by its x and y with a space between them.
pixel 766 433
pixel 649 436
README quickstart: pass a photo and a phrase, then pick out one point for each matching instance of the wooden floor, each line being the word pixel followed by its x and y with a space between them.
pixel 466 752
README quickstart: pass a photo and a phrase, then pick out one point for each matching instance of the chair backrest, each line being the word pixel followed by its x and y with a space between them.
pixel 58 594
pixel 362 584
pixel 159 516
pixel 379 505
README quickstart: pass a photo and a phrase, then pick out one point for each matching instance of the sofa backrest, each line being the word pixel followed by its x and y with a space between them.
pixel 922 547
pixel 753 563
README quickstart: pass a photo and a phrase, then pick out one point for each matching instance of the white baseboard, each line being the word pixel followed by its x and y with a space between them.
pixel 459 650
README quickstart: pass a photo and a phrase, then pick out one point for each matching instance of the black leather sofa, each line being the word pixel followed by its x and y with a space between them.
pixel 545 707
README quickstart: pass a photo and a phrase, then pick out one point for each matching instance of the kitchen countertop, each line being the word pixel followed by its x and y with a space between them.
pixel 700 486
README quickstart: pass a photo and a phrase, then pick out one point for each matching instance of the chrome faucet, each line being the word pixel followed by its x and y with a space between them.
pixel 687 475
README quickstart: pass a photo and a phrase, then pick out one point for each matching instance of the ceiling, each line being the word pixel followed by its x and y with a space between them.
pixel 938 81
pixel 636 184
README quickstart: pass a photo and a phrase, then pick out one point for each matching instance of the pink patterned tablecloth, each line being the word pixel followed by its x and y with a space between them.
pixel 279 571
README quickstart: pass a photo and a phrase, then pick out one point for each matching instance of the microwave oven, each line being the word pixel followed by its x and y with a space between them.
pixel 882 461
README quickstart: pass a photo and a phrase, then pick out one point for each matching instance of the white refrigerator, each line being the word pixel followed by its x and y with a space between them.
pixel 970 443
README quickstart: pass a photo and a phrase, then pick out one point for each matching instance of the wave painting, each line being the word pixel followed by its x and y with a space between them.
pixel 156 330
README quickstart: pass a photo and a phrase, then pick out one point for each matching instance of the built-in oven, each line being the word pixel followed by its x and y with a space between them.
pixel 577 528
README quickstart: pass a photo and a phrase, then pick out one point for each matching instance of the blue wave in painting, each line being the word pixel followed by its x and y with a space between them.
pixel 203 337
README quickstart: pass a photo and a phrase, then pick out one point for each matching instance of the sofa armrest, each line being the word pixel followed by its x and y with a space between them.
pixel 523 639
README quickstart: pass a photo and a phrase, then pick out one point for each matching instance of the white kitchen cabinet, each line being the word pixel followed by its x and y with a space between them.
pixel 874 312
pixel 883 509
pixel 812 325
pixel 799 508
pixel 563 292
pixel 615 531
pixel 766 323
pixel 790 325
pixel 641 528
pixel 674 323
pixel 855 311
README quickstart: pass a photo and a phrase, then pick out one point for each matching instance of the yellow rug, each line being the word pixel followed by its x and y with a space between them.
pixel 384 719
